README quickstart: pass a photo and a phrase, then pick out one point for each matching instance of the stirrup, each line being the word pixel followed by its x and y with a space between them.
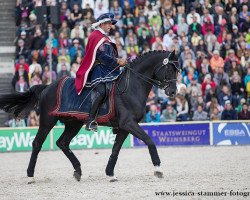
pixel 91 125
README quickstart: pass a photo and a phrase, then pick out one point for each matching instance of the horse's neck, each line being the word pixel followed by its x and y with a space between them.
pixel 142 87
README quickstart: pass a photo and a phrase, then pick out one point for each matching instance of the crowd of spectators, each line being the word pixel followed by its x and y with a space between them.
pixel 211 38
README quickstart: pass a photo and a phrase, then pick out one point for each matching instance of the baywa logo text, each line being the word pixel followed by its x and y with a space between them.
pixel 17 140
pixel 90 140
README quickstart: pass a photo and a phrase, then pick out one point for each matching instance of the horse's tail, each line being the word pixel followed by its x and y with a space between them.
pixel 20 104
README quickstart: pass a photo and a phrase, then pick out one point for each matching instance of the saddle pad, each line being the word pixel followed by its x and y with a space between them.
pixel 70 104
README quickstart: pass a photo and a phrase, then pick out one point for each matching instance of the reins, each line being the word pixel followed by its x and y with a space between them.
pixel 161 84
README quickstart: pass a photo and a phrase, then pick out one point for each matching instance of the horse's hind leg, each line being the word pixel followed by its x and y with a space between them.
pixel 119 140
pixel 42 133
pixel 138 132
pixel 63 142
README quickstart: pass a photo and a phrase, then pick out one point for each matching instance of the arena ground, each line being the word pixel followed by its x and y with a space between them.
pixel 193 171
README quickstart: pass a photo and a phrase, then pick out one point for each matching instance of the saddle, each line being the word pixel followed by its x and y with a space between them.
pixel 70 104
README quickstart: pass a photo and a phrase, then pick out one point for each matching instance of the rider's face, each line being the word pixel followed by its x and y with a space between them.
pixel 106 26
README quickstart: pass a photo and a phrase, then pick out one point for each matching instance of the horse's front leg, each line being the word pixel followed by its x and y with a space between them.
pixel 119 140
pixel 134 128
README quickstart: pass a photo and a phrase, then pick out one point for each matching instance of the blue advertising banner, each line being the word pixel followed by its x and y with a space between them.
pixel 177 134
pixel 231 133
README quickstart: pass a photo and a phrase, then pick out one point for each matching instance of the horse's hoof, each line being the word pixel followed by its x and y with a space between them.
pixel 112 178
pixel 77 175
pixel 158 172
pixel 31 180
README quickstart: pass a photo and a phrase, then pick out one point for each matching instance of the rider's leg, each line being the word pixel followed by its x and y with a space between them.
pixel 100 92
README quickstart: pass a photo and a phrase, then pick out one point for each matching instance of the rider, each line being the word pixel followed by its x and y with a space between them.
pixel 100 59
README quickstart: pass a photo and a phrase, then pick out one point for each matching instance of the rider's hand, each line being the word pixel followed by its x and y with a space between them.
pixel 122 61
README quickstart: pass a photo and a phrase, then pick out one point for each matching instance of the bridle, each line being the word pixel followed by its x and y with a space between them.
pixel 164 84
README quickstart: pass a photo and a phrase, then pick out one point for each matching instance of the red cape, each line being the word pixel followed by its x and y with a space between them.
pixel 95 40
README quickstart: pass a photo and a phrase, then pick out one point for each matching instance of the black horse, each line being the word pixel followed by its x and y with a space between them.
pixel 158 68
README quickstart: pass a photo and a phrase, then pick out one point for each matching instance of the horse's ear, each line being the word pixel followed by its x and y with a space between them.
pixel 172 55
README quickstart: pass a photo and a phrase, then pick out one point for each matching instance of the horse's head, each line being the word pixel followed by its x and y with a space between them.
pixel 166 73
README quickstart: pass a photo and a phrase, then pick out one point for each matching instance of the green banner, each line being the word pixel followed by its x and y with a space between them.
pixel 88 139
pixel 19 139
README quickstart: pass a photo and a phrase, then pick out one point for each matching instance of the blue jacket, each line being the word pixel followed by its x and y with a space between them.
pixel 105 63
pixel 229 115
pixel 151 118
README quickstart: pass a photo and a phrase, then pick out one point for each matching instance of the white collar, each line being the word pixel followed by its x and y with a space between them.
pixel 101 30
pixel 104 33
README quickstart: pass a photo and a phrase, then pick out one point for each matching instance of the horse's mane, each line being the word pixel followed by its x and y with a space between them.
pixel 141 57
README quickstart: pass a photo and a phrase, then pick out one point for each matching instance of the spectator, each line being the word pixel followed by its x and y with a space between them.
pixel 74 69
pixel 63 72
pixel 167 8
pixel 75 15
pixel 77 31
pixel 168 39
pixel 65 30
pixel 212 43
pixel 26 39
pixel 194 27
pixel 180 15
pixel 168 114
pixel 234 68
pixel 194 86
pixel 144 38
pixel 158 42
pixel 38 41
pixel 242 101
pixel 62 61
pixel 245 113
pixel 21 49
pixel 195 39
pixel 54 40
pixel 35 80
pixel 228 113
pixel 152 98
pixel 21 85
pixel 64 12
pixel 182 27
pixel 207 26
pixel 182 108
pixel 153 115
pixel 207 84
pixel 213 103
pixel 46 76
pixel 218 19
pixel 237 90
pixel 225 95
pixel 18 74
pixel 16 123
pixel 193 17
pixel 87 5
pixel 35 67
pixel 101 7
pixel 230 58
pixel 215 115
pixel 87 21
pixel 199 114
pixel 216 61
pixel 220 77
pixel 22 63
pixel 74 49
pixel 202 47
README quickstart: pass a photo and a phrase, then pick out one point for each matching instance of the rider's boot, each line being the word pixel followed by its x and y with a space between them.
pixel 91 123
